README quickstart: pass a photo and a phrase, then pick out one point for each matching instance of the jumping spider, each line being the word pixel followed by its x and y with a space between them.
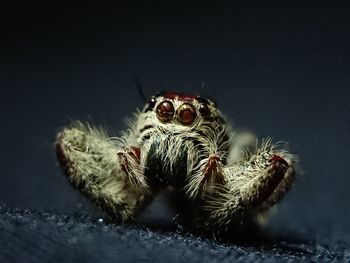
pixel 180 141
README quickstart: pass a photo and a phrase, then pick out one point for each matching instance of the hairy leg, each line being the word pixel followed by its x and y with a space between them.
pixel 250 187
pixel 105 170
pixel 212 160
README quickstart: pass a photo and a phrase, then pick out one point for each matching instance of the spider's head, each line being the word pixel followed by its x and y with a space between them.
pixel 182 108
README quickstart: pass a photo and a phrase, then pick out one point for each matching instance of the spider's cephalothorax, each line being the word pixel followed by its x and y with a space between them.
pixel 183 136
pixel 180 141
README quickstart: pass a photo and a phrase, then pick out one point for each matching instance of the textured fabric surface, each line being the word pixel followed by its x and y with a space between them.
pixel 44 237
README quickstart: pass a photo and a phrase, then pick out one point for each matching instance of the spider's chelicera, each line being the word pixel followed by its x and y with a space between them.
pixel 179 141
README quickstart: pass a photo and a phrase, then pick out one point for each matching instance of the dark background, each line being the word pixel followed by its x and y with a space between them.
pixel 279 69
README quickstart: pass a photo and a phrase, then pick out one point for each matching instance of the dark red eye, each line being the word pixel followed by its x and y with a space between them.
pixel 186 114
pixel 165 111
pixel 204 110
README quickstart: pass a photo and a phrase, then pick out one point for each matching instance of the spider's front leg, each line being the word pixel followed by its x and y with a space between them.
pixel 250 186
pixel 107 172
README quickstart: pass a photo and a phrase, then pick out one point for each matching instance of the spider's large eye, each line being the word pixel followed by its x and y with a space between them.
pixel 165 111
pixel 186 113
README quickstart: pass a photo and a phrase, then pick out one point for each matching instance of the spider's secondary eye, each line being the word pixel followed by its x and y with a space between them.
pixel 165 111
pixel 204 110
pixel 152 102
pixel 186 113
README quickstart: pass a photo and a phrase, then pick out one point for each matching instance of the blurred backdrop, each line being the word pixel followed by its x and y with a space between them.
pixel 278 69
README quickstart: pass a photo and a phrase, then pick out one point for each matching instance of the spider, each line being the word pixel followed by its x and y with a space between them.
pixel 183 142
